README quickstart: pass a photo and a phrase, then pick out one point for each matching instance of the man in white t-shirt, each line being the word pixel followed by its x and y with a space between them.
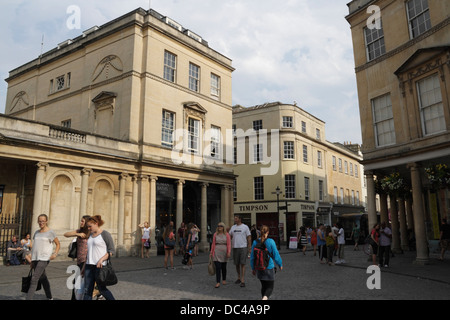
pixel 242 245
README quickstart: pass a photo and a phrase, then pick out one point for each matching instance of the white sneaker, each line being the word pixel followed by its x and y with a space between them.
pixel 338 262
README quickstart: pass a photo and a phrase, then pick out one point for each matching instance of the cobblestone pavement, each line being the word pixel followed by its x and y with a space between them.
pixel 302 278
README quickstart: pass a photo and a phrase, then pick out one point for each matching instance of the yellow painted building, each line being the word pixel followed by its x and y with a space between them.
pixel 402 59
pixel 280 149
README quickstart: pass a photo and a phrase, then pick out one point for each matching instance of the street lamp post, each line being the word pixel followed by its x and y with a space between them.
pixel 278 192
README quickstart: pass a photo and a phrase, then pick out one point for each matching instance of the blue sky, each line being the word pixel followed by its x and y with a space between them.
pixel 295 50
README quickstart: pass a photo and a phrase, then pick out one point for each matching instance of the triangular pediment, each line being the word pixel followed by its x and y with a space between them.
pixel 195 106
pixel 420 57
pixel 103 96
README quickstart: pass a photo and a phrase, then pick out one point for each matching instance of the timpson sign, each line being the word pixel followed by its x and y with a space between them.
pixel 272 207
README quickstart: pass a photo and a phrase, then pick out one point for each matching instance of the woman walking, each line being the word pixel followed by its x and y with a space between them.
pixel 267 276
pixel 100 246
pixel 41 254
pixel 82 235
pixel 220 252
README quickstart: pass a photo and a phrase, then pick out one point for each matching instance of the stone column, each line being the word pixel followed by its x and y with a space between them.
pixel 230 213
pixel 38 194
pixel 395 225
pixel 384 215
pixel 121 213
pixel 422 256
pixel 371 200
pixel 143 200
pixel 203 245
pixel 152 214
pixel 409 214
pixel 224 204
pixel 179 219
pixel 85 173
pixel 135 240
pixel 403 229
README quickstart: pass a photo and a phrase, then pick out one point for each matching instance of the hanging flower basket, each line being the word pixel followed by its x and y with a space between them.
pixel 438 175
pixel 393 183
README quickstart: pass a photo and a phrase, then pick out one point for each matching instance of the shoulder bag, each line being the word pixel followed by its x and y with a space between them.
pixel 106 276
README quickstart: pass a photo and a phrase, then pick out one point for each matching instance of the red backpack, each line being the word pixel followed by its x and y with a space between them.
pixel 261 256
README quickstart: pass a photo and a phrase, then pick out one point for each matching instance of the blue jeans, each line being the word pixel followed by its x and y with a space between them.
pixel 89 283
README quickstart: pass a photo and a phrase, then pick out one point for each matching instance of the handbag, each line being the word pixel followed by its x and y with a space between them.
pixel 170 242
pixel 211 267
pixel 106 275
pixel 73 249
pixel 26 282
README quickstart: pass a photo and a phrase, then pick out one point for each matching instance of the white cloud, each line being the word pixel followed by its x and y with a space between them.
pixel 299 50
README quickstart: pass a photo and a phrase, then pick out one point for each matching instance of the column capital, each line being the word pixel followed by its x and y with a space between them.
pixel 42 165
pixel 143 177
pixel 86 171
pixel 181 181
pixel 369 173
pixel 153 178
pixel 204 184
pixel 413 166
pixel 124 176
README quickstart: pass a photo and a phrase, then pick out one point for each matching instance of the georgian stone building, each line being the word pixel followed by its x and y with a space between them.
pixel 128 121
pixel 402 60
pixel 284 160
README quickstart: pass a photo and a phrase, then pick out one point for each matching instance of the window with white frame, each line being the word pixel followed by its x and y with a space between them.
pixel 258 186
pixel 353 197
pixel 306 180
pixel 168 123
pixel 333 159
pixel 351 169
pixel 318 134
pixel 193 135
pixel 345 167
pixel 288 122
pixel 303 126
pixel 170 66
pixel 383 120
pixel 342 195
pixel 335 195
pixel 431 107
pixel 320 190
pixel 257 153
pixel 194 77
pixel 215 86
pixel 356 171
pixel 319 159
pixel 357 198
pixel 289 150
pixel 374 39
pixel 60 83
pixel 418 17
pixel 215 142
pixel 289 186
pixel 305 153
pixel 340 165
pixel 257 125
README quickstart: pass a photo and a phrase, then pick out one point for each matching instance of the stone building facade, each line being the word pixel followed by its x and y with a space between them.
pixel 127 121
pixel 402 64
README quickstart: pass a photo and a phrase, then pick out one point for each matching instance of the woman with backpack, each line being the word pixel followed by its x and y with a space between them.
pixel 263 257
